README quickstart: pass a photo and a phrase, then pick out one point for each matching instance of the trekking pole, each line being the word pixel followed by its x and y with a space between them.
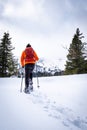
pixel 37 77
pixel 21 82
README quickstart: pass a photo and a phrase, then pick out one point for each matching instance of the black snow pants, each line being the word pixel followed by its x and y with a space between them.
pixel 28 73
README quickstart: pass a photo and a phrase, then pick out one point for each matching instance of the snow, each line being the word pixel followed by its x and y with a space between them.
pixel 59 104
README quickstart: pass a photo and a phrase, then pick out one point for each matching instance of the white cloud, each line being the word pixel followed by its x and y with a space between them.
pixel 30 9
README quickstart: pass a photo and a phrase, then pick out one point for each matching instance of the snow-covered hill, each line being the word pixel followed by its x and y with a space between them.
pixel 59 104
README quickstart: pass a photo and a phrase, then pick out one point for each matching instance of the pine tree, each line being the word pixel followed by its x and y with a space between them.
pixel 76 62
pixel 7 61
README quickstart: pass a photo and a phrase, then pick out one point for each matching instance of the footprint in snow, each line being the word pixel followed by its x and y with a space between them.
pixel 64 114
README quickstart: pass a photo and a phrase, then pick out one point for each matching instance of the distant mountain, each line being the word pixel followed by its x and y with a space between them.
pixel 44 67
pixel 47 68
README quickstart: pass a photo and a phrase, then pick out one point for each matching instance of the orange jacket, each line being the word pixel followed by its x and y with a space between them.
pixel 23 58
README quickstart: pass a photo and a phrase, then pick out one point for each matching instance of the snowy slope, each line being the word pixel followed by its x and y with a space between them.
pixel 59 104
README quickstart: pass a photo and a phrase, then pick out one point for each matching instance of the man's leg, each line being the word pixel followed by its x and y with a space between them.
pixel 31 67
pixel 26 78
pixel 31 76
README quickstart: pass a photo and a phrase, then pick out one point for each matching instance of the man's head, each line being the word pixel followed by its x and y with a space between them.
pixel 28 45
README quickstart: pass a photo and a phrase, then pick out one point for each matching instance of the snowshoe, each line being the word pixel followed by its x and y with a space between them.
pixel 26 90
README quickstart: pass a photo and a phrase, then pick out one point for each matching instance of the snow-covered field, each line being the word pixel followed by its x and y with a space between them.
pixel 59 104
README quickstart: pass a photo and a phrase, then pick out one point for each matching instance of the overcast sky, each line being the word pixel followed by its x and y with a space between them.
pixel 49 25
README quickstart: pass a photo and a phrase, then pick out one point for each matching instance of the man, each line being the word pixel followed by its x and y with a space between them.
pixel 28 60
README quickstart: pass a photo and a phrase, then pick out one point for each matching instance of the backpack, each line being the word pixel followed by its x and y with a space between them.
pixel 29 54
